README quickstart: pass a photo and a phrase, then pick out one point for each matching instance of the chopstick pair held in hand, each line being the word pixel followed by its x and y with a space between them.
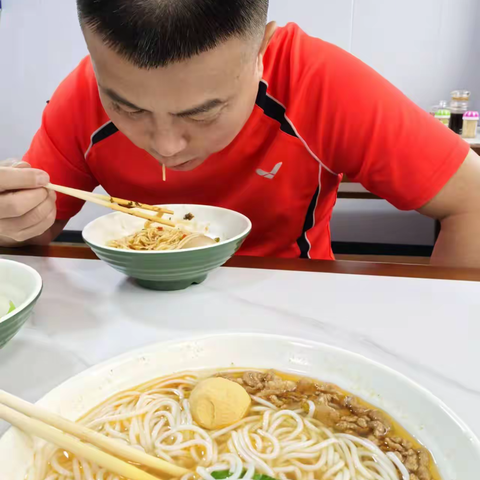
pixel 71 436
pixel 117 204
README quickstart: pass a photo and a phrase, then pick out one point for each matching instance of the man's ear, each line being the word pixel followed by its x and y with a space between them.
pixel 269 32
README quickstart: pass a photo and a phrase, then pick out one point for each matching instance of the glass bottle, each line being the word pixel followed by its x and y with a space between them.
pixel 458 106
pixel 443 105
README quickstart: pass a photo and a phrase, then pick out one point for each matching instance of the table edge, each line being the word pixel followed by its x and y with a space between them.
pixel 289 264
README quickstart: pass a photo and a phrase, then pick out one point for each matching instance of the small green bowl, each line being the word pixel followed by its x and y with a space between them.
pixel 21 285
pixel 176 269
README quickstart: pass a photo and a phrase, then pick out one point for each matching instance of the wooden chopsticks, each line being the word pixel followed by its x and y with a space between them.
pixel 117 204
pixel 58 430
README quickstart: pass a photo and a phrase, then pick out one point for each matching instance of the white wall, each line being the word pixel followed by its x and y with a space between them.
pixel 425 47
pixel 40 43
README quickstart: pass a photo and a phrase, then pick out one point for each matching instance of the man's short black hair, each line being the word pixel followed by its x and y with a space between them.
pixel 155 33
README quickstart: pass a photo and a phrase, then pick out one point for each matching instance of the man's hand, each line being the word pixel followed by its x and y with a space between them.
pixel 26 209
pixel 457 206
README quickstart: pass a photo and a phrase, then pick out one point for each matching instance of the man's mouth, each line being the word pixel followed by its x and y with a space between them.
pixel 186 166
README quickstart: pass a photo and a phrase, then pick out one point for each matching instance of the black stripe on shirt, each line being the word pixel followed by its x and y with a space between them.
pixel 106 131
pixel 302 241
pixel 273 109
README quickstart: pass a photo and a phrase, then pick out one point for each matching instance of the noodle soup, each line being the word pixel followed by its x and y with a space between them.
pixel 293 429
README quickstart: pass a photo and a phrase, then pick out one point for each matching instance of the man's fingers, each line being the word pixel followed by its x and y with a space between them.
pixel 14 163
pixel 22 178
pixel 26 209
pixel 22 164
pixel 16 204
pixel 32 221
pixel 38 229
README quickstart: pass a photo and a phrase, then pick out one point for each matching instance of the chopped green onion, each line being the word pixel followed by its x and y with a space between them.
pixel 225 474
pixel 259 476
pixel 221 474
pixel 12 307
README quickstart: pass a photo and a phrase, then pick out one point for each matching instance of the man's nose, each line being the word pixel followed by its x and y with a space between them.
pixel 168 143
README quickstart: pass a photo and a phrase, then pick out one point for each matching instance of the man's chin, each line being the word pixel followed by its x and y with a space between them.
pixel 187 166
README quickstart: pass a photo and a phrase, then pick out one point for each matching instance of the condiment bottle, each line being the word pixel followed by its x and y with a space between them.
pixel 470 124
pixel 458 106
pixel 443 116
pixel 443 105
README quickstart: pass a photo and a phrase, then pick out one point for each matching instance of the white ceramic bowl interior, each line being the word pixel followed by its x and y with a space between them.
pixel 215 222
pixel 454 446
pixel 20 284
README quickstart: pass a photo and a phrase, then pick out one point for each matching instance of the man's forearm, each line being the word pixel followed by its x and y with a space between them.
pixel 459 242
pixel 457 206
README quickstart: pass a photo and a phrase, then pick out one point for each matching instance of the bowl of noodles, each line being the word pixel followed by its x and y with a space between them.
pixel 164 258
pixel 309 411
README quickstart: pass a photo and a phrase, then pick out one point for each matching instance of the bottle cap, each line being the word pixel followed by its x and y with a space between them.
pixel 471 116
pixel 461 95
pixel 443 114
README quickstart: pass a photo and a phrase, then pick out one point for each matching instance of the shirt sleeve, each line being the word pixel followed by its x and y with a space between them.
pixel 60 144
pixel 363 126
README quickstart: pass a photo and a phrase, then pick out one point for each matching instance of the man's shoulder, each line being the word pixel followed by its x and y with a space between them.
pixel 292 43
pixel 79 85
pixel 294 59
pixel 76 104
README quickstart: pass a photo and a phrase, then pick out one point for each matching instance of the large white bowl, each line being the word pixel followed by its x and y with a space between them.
pixel 454 446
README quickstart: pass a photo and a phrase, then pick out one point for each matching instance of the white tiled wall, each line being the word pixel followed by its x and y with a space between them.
pixel 425 47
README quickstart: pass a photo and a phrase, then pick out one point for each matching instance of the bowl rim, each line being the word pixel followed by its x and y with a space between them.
pixel 245 232
pixel 32 297
pixel 147 349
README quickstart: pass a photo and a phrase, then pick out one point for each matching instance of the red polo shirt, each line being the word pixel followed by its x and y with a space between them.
pixel 320 113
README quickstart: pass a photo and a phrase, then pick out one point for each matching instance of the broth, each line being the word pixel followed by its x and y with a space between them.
pixel 351 413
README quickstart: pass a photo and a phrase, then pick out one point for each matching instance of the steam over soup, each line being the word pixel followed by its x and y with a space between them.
pixel 254 425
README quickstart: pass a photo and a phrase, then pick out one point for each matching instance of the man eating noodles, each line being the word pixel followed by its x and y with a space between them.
pixel 244 115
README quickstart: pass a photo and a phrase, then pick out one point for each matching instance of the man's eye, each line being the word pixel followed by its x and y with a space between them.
pixel 204 120
pixel 208 118
pixel 132 113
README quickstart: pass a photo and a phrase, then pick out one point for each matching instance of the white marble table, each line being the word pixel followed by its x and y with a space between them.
pixel 427 329
pixel 474 142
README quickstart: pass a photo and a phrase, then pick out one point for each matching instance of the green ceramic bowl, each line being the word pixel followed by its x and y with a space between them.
pixel 21 285
pixel 170 270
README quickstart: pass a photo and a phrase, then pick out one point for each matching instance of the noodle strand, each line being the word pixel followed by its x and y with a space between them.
pixel 283 444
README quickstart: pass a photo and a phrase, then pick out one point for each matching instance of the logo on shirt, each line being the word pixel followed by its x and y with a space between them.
pixel 270 175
